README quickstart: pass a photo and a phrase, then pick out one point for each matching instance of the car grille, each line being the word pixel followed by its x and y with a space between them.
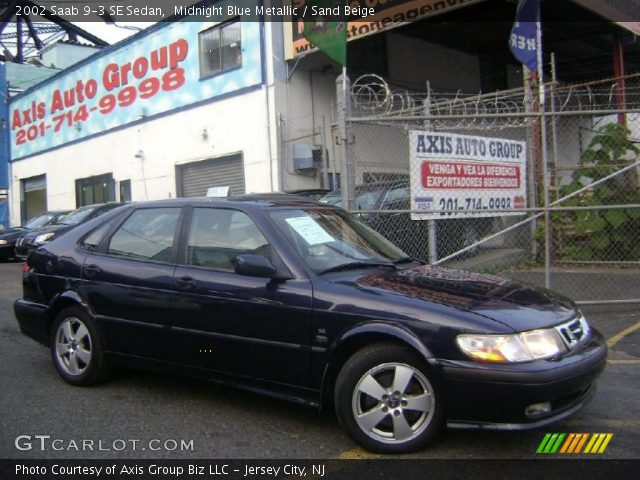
pixel 19 241
pixel 574 332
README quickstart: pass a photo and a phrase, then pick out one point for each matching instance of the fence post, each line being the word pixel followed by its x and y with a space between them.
pixel 343 89
pixel 545 166
pixel 325 154
pixel 432 255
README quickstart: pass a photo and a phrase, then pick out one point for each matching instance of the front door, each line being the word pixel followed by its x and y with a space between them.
pixel 248 326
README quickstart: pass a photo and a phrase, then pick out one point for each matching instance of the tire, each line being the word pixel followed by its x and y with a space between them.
pixel 76 348
pixel 382 419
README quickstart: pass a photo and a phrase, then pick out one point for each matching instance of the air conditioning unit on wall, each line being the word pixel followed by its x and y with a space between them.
pixel 307 158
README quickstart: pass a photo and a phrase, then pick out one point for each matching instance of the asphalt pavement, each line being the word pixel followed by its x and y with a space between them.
pixel 141 415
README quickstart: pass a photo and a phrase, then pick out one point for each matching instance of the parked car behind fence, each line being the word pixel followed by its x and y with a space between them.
pixel 412 236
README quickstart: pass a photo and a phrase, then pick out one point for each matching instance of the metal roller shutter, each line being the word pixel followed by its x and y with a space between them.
pixel 34 183
pixel 194 179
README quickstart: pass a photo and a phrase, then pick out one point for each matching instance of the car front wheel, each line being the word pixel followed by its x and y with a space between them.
pixel 76 348
pixel 387 400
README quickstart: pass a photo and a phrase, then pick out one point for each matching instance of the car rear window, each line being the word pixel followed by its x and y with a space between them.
pixel 146 235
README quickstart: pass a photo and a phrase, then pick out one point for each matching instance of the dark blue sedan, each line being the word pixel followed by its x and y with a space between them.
pixel 301 301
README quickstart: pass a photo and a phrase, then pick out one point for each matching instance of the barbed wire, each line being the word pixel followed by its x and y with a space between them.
pixel 372 95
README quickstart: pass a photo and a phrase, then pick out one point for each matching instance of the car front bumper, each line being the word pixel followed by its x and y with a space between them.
pixel 492 396
pixel 23 248
pixel 7 251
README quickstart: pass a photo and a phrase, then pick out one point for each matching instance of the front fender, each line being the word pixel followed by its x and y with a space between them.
pixel 385 329
pixel 358 337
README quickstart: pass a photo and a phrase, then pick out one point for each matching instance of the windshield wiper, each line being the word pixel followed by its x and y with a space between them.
pixel 355 265
pixel 403 260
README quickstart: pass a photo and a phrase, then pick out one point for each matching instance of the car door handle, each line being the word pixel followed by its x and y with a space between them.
pixel 91 270
pixel 185 283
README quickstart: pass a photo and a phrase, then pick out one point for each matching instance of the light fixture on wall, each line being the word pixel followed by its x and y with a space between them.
pixel 205 133
pixel 140 155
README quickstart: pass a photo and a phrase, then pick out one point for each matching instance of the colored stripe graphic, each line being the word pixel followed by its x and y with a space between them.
pixel 543 443
pixel 574 443
pixel 550 443
pixel 598 443
pixel 567 444
pixel 581 443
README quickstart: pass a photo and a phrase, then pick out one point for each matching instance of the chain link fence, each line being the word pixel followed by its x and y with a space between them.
pixel 540 188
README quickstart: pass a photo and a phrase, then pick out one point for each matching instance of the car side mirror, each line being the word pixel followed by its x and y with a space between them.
pixel 254 266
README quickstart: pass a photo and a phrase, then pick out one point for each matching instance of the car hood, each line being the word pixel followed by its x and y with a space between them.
pixel 12 233
pixel 516 305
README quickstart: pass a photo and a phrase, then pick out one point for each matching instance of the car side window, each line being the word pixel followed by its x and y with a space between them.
pixel 217 236
pixel 146 235
pixel 94 239
pixel 396 198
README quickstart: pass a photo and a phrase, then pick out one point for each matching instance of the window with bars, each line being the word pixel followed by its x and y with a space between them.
pixel 220 48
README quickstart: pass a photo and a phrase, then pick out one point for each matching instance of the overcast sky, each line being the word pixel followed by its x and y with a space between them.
pixel 112 33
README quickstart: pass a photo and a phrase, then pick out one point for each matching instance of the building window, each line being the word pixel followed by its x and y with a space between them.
pixel 220 48
pixel 98 189
pixel 125 191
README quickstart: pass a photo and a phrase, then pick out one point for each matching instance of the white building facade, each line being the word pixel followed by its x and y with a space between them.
pixel 172 111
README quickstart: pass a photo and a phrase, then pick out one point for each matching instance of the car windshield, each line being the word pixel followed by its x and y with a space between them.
pixel 77 216
pixel 40 220
pixel 330 240
pixel 367 197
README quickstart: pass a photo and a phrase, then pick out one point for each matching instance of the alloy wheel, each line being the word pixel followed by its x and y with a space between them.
pixel 393 403
pixel 73 346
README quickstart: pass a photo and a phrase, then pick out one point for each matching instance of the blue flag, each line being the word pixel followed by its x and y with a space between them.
pixel 523 40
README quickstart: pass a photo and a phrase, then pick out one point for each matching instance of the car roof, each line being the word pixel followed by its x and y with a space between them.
pixel 305 191
pixel 364 187
pixel 256 200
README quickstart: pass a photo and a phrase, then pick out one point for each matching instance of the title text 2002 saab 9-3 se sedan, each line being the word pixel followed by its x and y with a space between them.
pixel 300 300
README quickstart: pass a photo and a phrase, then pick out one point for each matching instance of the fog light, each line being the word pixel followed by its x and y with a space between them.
pixel 537 409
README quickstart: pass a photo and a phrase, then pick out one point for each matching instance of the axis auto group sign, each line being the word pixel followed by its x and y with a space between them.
pixel 118 86
pixel 452 174
pixel 155 74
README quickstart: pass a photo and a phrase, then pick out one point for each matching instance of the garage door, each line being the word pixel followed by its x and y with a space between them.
pixel 194 179
pixel 33 197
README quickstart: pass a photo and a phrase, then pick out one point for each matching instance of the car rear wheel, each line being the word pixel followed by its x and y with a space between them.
pixel 387 400
pixel 76 348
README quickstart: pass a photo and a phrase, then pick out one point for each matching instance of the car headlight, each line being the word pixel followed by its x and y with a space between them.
pixel 520 347
pixel 45 237
pixel 3 242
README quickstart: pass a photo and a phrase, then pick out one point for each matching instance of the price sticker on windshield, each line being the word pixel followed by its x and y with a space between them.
pixel 309 230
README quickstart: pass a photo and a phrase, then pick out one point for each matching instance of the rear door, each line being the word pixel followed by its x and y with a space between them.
pixel 237 324
pixel 128 281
